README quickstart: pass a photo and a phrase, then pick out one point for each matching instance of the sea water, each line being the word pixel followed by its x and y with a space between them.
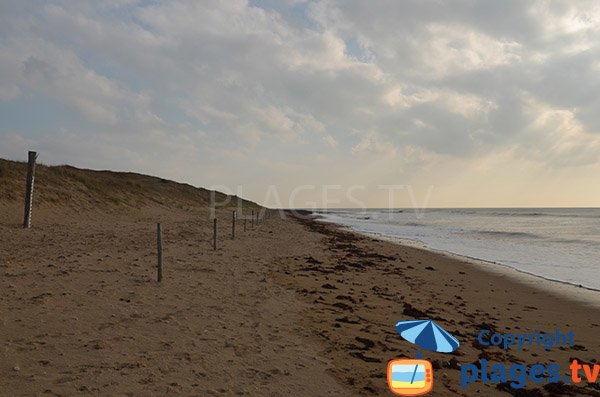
pixel 561 244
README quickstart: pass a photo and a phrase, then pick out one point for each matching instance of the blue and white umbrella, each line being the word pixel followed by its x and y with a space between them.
pixel 427 335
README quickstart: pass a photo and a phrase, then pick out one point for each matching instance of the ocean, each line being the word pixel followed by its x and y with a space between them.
pixel 561 244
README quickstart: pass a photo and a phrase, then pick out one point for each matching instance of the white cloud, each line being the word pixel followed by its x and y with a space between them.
pixel 451 49
pixel 275 120
pixel 566 18
pixel 557 136
pixel 398 99
pixel 59 73
pixel 465 105
pixel 330 141
pixel 422 81
pixel 371 142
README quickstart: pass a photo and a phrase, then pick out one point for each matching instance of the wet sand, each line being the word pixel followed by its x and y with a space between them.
pixel 360 287
pixel 292 307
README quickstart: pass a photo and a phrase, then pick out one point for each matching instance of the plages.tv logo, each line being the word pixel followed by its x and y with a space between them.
pixel 414 377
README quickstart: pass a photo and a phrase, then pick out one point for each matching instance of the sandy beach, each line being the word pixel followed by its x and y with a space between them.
pixel 291 307
pixel 300 198
pixel 363 286
pixel 413 187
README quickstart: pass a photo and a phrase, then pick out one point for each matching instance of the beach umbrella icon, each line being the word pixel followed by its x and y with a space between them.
pixel 427 335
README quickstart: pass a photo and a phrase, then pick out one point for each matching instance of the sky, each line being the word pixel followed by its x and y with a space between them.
pixel 296 103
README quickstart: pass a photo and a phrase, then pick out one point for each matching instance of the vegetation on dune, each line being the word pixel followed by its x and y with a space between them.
pixel 67 185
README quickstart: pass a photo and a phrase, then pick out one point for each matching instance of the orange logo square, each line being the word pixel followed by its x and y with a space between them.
pixel 408 377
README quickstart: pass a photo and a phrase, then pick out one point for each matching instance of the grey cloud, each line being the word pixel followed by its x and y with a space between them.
pixel 297 73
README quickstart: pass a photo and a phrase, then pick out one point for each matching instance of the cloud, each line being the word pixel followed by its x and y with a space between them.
pixel 372 142
pixel 330 141
pixel 557 136
pixel 9 91
pixel 59 73
pixel 451 49
pixel 398 84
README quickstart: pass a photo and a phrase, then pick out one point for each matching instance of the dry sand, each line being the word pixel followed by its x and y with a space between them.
pixel 293 307
pixel 82 312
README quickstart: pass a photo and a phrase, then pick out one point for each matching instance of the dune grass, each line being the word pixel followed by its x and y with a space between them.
pixel 83 188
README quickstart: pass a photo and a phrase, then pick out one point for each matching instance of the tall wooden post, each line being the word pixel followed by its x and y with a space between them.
pixel 233 225
pixel 215 234
pixel 252 219
pixel 29 189
pixel 160 253
pixel 245 222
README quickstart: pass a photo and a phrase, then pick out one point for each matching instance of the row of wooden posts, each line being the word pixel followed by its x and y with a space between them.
pixel 254 219
pixel 233 222
pixel 32 157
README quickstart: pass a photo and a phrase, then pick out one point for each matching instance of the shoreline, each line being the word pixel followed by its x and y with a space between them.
pixel 578 292
pixel 359 287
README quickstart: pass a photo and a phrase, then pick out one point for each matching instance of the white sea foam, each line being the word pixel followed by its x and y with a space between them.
pixel 556 244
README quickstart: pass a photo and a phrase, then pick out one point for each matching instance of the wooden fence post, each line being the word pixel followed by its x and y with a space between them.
pixel 252 219
pixel 245 222
pixel 233 225
pixel 160 253
pixel 215 234
pixel 29 189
